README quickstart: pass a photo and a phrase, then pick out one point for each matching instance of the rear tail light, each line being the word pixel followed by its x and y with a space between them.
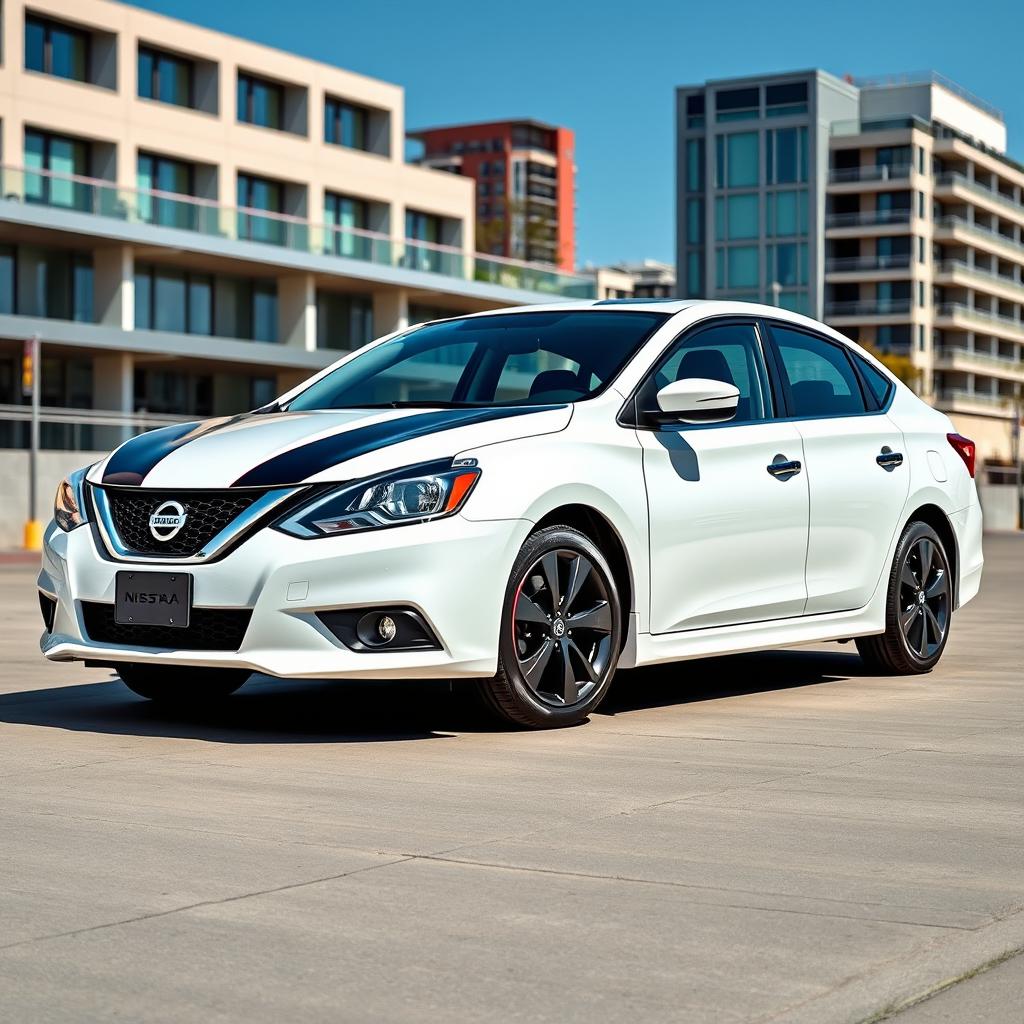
pixel 965 448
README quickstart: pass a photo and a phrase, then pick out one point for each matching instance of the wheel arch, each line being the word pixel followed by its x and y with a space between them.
pixel 595 525
pixel 939 522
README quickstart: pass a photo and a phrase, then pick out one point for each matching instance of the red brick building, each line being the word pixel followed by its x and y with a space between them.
pixel 526 178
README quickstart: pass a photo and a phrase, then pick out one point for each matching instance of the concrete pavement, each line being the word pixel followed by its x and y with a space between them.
pixel 775 837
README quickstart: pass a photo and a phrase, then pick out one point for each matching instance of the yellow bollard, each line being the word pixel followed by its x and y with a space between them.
pixel 33 535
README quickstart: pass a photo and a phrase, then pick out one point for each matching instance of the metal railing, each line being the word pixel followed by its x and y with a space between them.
pixel 952 353
pixel 1001 402
pixel 868 307
pixel 988 276
pixel 954 178
pixel 951 309
pixel 97 197
pixel 857 126
pixel 846 264
pixel 67 429
pixel 860 218
pixel 876 172
pixel 987 234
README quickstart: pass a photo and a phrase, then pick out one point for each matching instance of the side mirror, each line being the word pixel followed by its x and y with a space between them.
pixel 698 400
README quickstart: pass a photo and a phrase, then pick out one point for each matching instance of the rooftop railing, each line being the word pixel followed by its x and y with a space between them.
pixel 100 198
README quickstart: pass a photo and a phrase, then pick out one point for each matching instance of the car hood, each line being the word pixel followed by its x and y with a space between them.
pixel 286 448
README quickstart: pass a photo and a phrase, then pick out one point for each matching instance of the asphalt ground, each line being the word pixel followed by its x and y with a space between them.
pixel 770 837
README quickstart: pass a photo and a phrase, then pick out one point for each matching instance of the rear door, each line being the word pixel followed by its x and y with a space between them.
pixel 854 461
pixel 728 527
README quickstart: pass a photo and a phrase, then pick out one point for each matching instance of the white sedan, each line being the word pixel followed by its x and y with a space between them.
pixel 530 498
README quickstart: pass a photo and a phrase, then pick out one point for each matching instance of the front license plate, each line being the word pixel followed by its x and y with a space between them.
pixel 152 598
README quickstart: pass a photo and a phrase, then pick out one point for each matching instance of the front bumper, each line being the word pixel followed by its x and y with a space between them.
pixel 453 572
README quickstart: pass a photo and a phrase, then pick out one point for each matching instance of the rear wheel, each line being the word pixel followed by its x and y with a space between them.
pixel 179 684
pixel 919 607
pixel 561 632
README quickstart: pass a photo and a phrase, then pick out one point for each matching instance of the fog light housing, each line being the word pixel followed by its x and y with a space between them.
pixel 380 629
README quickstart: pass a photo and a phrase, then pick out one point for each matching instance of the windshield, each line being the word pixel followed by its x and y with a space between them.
pixel 506 359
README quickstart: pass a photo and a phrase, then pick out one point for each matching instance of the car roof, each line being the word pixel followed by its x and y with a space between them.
pixel 671 307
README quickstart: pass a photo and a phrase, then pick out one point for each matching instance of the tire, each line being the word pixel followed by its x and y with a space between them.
pixel 918 612
pixel 181 685
pixel 547 678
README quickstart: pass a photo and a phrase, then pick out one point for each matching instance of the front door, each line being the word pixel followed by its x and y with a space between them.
pixel 728 523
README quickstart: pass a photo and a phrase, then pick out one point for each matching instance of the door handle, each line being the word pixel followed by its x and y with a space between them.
pixel 889 459
pixel 786 469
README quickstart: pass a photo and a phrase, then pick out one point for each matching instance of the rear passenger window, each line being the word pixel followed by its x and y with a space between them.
pixel 822 381
pixel 878 384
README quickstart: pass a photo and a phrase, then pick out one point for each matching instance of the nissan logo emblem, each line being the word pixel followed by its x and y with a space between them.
pixel 166 522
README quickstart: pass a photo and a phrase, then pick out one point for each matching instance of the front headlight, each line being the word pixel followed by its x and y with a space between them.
pixel 413 495
pixel 69 504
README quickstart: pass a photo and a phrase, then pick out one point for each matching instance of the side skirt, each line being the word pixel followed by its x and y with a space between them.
pixel 655 649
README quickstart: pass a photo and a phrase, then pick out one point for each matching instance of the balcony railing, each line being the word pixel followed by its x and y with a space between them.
pixel 861 218
pixel 951 309
pixel 190 213
pixel 983 233
pixel 950 354
pixel 987 276
pixel 881 124
pixel 80 430
pixel 952 178
pixel 868 307
pixel 876 172
pixel 846 264
pixel 1001 403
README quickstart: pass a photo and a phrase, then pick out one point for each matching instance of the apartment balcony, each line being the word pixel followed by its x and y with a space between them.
pixel 955 314
pixel 873 178
pixel 867 218
pixel 951 357
pixel 960 230
pixel 94 207
pixel 863 309
pixel 867 268
pixel 976 403
pixel 953 184
pixel 957 272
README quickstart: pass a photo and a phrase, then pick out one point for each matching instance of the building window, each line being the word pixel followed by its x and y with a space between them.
pixel 56 49
pixel 695 165
pixel 737 217
pixel 260 194
pixel 786 155
pixel 737 104
pixel 162 174
pixel 695 274
pixel 695 111
pixel 694 221
pixel 260 102
pixel 343 320
pixel 167 392
pixel 787 264
pixel 786 213
pixel 52 283
pixel 165 77
pixel 62 158
pixel 345 124
pixel 742 267
pixel 786 100
pixel 736 160
pixel 344 217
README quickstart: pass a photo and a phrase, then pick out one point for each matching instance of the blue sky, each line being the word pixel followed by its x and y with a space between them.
pixel 608 70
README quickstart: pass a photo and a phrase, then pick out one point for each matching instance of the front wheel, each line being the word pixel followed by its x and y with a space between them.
pixel 181 685
pixel 561 632
pixel 918 609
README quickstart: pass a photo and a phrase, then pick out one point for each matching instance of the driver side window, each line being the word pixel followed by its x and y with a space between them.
pixel 725 352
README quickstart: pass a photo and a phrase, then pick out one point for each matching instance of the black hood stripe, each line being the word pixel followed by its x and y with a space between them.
pixel 138 456
pixel 306 460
